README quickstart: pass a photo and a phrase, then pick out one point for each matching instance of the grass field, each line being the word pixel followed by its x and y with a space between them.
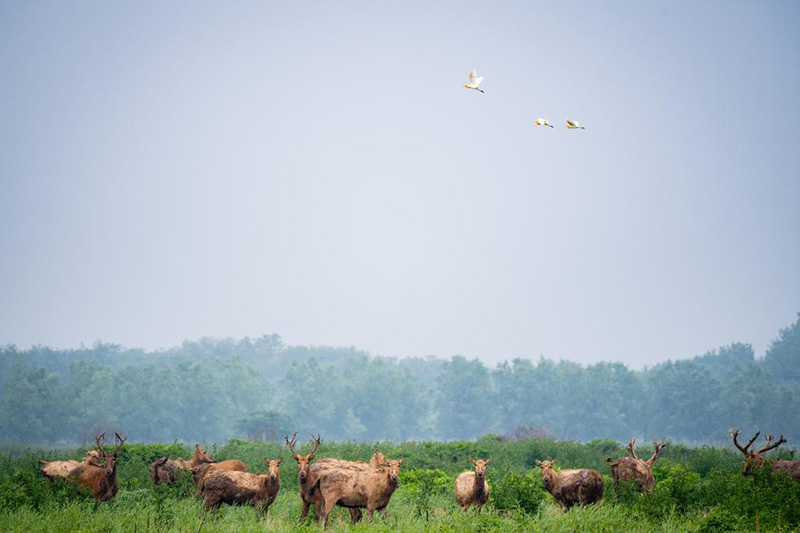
pixel 698 489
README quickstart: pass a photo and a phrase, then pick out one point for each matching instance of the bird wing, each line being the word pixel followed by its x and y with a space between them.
pixel 572 122
pixel 473 76
pixel 477 81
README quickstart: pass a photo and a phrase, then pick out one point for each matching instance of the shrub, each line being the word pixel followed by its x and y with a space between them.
pixel 518 492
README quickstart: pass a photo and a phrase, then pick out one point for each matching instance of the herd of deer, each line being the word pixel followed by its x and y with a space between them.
pixel 356 485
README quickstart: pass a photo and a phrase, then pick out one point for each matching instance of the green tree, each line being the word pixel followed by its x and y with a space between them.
pixel 782 360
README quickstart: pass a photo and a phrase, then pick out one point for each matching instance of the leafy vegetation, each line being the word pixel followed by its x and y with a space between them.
pixel 710 498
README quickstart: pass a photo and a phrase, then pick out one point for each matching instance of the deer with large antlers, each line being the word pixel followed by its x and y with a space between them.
pixel 53 470
pixel 101 480
pixel 165 470
pixel 307 480
pixel 631 467
pixel 755 460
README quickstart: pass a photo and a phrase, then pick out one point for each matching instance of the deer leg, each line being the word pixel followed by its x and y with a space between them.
pixel 355 515
pixel 383 513
pixel 304 512
pixel 370 510
pixel 326 511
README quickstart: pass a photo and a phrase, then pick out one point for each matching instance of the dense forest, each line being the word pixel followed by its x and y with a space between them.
pixel 212 390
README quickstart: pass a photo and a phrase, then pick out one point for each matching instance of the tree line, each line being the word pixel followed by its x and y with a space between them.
pixel 211 390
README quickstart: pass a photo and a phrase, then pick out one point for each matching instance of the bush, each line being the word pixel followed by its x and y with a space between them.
pixel 518 492
pixel 719 520
pixel 421 485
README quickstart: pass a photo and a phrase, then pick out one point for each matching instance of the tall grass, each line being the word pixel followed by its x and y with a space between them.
pixel 699 489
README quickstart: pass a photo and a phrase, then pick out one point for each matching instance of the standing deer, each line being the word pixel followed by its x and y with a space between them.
pixel 352 487
pixel 471 488
pixel 634 468
pixel 242 488
pixel 165 470
pixel 754 460
pixel 570 487
pixel 307 480
pixel 101 480
pixel 204 470
pixel 53 470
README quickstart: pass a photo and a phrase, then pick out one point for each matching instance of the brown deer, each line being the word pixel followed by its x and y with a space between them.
pixel 352 487
pixel 755 460
pixel 471 488
pixel 203 470
pixel 242 488
pixel 165 470
pixel 307 480
pixel 570 487
pixel 53 470
pixel 634 468
pixel 101 480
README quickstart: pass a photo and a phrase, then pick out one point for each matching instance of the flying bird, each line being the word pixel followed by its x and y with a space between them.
pixel 542 122
pixel 574 125
pixel 474 81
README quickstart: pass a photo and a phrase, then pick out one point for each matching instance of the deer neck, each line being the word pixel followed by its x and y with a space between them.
pixel 479 483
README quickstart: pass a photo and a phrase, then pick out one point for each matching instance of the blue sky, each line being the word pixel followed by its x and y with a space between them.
pixel 174 170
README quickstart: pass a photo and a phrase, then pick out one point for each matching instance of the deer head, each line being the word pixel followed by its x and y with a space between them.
pixel 394 469
pixel 201 456
pixel 547 473
pixel 303 461
pixel 274 473
pixel 753 460
pixel 480 466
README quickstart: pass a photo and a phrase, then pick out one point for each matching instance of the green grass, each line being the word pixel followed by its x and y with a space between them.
pixel 698 489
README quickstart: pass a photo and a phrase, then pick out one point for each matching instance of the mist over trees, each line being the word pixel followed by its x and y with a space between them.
pixel 211 390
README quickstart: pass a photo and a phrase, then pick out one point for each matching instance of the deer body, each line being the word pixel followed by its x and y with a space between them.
pixel 570 487
pixel 53 470
pixel 204 470
pixel 101 480
pixel 353 487
pixel 471 488
pixel 634 468
pixel 242 488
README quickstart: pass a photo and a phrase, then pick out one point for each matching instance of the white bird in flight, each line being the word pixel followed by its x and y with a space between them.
pixel 574 125
pixel 542 122
pixel 474 81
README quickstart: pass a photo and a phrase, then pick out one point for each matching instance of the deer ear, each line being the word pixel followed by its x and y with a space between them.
pixel 471 460
pixel 489 460
pixel 538 462
pixel 401 461
pixel 554 461
pixel 266 460
pixel 280 461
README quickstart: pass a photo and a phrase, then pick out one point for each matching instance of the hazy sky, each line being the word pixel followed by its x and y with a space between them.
pixel 173 170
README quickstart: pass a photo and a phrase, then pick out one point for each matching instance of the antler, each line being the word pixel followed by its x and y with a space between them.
pixel 769 444
pixel 292 443
pixel 629 447
pixel 657 450
pixel 98 438
pixel 742 449
pixel 316 441
pixel 121 442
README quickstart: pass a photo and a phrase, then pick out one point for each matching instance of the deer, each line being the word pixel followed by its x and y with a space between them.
pixel 203 470
pixel 570 487
pixel 634 468
pixel 755 460
pixel 101 481
pixel 165 470
pixel 353 487
pixel 471 488
pixel 242 488
pixel 307 480
pixel 53 470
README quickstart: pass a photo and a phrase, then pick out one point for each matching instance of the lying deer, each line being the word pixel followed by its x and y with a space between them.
pixel 570 487
pixel 634 468
pixel 755 460
pixel 471 488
